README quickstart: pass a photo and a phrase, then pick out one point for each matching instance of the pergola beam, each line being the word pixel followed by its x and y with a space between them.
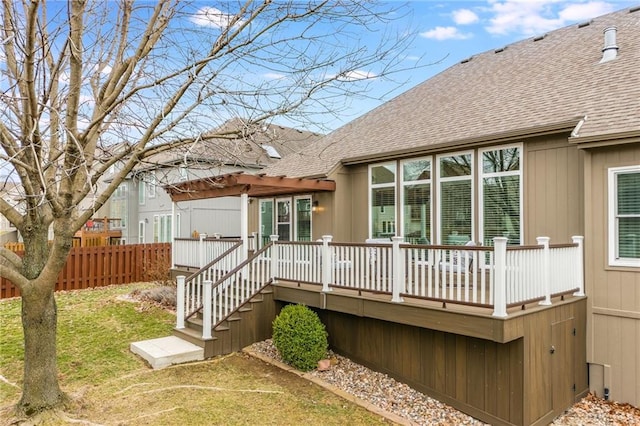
pixel 235 184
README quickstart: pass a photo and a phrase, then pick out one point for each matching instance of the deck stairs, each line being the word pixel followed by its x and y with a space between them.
pixel 241 308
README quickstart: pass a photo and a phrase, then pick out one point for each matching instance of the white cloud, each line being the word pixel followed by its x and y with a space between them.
pixel 212 17
pixel 357 75
pixel 464 17
pixel 531 17
pixel 585 11
pixel 445 33
pixel 274 76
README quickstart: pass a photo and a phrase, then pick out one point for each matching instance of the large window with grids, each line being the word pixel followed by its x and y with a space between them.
pixel 455 198
pixel 624 216
pixel 382 193
pixel 416 200
pixel 500 194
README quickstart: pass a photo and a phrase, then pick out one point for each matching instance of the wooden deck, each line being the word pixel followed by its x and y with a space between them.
pixel 523 369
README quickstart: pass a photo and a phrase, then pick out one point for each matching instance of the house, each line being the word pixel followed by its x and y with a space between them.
pixel 145 209
pixel 506 159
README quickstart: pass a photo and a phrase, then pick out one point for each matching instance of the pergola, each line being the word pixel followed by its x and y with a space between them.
pixel 239 184
pixel 245 186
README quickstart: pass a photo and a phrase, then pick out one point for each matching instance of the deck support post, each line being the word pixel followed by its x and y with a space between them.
pixel 546 270
pixel 326 262
pixel 579 240
pixel 180 302
pixel 206 309
pixel 274 258
pixel 500 278
pixel 398 270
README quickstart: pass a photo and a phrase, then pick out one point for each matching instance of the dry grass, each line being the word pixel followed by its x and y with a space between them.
pixel 111 386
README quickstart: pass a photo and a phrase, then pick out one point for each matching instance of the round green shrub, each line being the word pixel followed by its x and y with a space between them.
pixel 300 337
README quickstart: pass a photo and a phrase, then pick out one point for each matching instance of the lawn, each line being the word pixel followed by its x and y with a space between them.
pixel 110 385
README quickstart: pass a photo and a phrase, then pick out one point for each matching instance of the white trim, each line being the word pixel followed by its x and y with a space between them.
pixel 612 237
pixel 482 175
pixel 439 180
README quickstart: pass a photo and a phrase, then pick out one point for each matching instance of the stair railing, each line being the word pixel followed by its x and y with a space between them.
pixel 235 289
pixel 189 294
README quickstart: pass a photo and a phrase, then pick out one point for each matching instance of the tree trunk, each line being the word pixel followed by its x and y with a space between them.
pixel 40 390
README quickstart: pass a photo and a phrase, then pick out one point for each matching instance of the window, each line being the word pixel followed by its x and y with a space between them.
pixel 303 219
pixel 162 228
pixel 141 231
pixel 416 200
pixel 624 216
pixel 119 205
pixel 266 220
pixel 455 196
pixel 153 182
pixel 500 195
pixel 184 173
pixel 382 192
pixel 283 219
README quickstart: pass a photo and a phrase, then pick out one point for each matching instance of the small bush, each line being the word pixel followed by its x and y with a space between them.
pixel 300 337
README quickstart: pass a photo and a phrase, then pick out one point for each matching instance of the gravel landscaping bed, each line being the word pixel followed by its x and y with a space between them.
pixel 392 396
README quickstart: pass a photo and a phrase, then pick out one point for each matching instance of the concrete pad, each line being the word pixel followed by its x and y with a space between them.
pixel 165 351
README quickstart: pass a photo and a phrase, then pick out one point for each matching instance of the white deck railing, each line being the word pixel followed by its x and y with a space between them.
pixel 497 277
pixel 197 252
pixel 219 290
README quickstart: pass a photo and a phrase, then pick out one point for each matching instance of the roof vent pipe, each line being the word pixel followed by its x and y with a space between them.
pixel 610 49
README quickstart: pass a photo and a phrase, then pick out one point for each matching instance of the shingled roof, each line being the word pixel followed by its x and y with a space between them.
pixel 255 146
pixel 540 84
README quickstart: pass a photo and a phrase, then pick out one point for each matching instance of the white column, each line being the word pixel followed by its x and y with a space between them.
pixel 274 257
pixel 244 224
pixel 173 234
pixel 500 277
pixel 579 271
pixel 180 302
pixel 326 262
pixel 546 270
pixel 398 284
pixel 206 310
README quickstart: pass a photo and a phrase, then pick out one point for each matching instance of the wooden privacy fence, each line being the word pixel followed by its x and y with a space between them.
pixel 89 267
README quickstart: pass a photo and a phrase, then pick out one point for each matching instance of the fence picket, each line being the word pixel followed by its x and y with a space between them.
pixel 98 266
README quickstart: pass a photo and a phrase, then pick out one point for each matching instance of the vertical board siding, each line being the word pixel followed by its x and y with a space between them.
pixel 98 266
pixel 500 383
pixel 614 292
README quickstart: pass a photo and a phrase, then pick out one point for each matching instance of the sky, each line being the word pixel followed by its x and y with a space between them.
pixel 450 31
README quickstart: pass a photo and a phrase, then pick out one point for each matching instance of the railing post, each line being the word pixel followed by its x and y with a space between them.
pixel 180 302
pixel 579 240
pixel 546 269
pixel 206 309
pixel 398 284
pixel 326 262
pixel 202 251
pixel 274 258
pixel 500 277
pixel 254 241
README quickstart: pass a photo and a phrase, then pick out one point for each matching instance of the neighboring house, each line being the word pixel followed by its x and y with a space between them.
pixel 540 138
pixel 146 209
